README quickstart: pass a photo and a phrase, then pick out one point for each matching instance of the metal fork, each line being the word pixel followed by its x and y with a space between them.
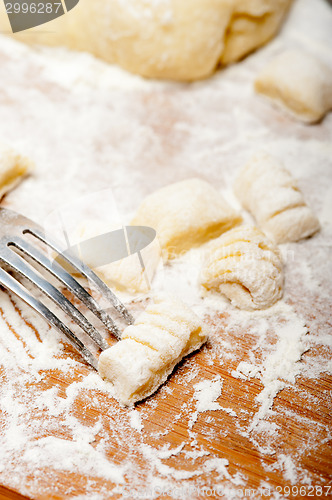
pixel 14 229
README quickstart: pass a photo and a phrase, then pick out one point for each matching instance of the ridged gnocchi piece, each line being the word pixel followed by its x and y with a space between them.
pixel 245 266
pixel 13 167
pixel 298 82
pixel 150 348
pixel 186 214
pixel 270 193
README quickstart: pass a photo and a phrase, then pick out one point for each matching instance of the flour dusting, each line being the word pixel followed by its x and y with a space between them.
pixel 86 126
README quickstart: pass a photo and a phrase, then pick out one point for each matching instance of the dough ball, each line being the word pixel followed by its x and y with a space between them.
pixel 175 39
pixel 13 168
pixel 253 23
pixel 298 82
pixel 246 267
pixel 150 349
pixel 270 193
pixel 185 214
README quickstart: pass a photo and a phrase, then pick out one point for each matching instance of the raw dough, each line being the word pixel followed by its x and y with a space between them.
pixel 298 82
pixel 246 267
pixel 13 167
pixel 176 39
pixel 126 275
pixel 149 350
pixel 185 214
pixel 270 193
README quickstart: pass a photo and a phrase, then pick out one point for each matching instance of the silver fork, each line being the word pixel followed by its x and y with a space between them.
pixel 14 229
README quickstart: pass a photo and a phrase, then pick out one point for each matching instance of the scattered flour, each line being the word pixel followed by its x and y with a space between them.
pixel 282 365
pixel 206 394
pixel 86 123
pixel 74 454
pixel 165 452
pixel 135 420
pixel 153 456
pixel 289 468
pixel 245 370
pixel 219 465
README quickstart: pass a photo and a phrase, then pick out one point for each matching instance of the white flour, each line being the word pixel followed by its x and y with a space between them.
pixel 135 420
pixel 206 393
pixel 88 125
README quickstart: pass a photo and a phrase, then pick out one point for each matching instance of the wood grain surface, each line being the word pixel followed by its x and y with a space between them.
pixel 89 126
pixel 302 414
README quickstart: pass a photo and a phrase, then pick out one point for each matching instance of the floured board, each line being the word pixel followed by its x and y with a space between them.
pixel 252 409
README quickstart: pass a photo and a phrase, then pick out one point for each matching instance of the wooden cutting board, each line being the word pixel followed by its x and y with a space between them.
pixel 89 126
pixel 301 413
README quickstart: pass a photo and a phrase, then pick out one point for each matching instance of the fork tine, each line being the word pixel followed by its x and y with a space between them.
pixel 85 271
pixel 19 265
pixel 15 287
pixel 58 272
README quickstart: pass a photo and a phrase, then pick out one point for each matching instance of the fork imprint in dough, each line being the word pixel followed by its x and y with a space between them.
pixel 149 349
pixel 246 267
pixel 269 192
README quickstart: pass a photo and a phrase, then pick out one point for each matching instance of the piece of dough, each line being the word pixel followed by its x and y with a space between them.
pixel 270 193
pixel 298 82
pixel 131 274
pixel 13 168
pixel 149 350
pixel 246 266
pixel 175 39
pixel 185 214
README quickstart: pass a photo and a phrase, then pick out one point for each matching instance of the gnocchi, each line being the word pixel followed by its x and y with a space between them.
pixel 150 348
pixel 186 214
pixel 246 267
pixel 298 82
pixel 270 193
pixel 133 274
